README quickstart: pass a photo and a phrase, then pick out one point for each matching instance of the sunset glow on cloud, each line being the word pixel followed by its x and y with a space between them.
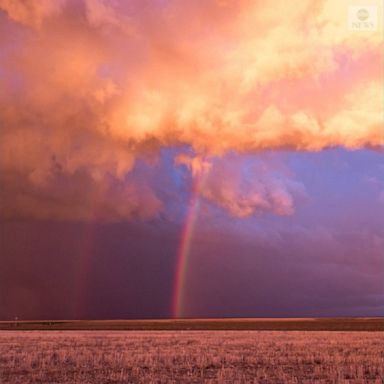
pixel 88 87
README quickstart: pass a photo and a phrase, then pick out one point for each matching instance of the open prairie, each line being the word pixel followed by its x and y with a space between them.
pixel 191 357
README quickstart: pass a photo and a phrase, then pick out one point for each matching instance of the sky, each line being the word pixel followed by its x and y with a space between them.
pixel 188 158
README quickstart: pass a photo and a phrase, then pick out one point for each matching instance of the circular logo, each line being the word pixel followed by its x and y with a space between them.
pixel 362 14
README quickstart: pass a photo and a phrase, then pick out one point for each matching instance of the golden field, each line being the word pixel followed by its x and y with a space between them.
pixel 191 357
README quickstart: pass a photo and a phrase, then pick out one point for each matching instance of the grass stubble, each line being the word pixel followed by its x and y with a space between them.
pixel 191 357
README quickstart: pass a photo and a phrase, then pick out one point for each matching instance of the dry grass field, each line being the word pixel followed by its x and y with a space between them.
pixel 191 357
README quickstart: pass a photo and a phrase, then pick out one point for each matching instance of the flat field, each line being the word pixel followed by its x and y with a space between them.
pixel 191 357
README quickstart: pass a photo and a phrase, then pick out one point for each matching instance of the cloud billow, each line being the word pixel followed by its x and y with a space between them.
pixel 88 87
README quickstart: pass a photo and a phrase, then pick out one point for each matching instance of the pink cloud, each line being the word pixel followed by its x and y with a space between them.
pixel 94 84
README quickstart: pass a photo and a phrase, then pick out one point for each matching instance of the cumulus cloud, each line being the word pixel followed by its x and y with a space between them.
pixel 243 187
pixel 242 197
pixel 197 165
pixel 88 86
pixel 31 13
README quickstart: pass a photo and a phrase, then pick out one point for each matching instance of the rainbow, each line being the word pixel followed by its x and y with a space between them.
pixel 85 257
pixel 185 247
pixel 88 248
